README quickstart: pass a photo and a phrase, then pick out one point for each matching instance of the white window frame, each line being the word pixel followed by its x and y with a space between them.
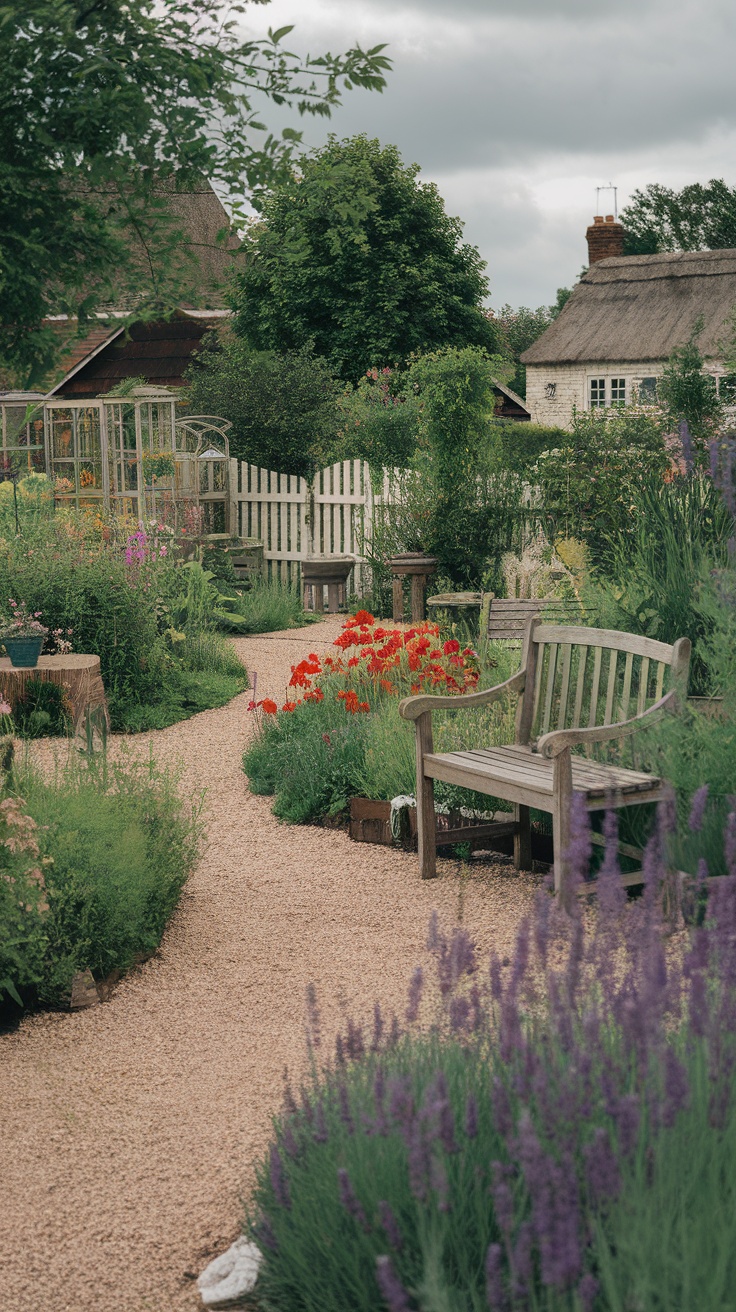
pixel 601 401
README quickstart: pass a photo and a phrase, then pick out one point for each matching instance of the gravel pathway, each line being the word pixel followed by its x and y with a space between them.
pixel 129 1131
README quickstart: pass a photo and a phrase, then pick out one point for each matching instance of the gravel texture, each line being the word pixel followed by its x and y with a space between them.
pixel 129 1131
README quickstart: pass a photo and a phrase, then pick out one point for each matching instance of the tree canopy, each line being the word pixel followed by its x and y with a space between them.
pixel 101 101
pixel 702 216
pixel 357 257
pixel 284 409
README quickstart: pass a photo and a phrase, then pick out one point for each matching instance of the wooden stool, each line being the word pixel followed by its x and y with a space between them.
pixel 78 675
pixel 418 567
pixel 332 571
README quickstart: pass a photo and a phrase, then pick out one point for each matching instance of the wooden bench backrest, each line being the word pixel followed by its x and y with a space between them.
pixel 582 677
pixel 508 617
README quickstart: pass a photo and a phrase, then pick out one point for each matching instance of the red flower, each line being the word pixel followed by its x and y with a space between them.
pixel 363 618
pixel 268 707
pixel 289 706
pixel 452 645
pixel 354 660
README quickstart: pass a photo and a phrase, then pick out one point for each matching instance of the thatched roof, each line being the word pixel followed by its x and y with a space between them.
pixel 634 308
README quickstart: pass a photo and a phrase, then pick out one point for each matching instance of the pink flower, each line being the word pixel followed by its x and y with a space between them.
pixel 4 708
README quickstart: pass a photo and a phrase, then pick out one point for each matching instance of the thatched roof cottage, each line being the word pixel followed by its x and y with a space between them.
pixel 627 314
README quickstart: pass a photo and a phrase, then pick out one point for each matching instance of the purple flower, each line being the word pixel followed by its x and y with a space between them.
pixel 503 1201
pixel 264 1234
pixel 627 1117
pixel 392 1290
pixel 320 1124
pixel 419 1160
pixel 377 1027
pixel 354 1043
pixel 522 1266
pixel 439 1182
pixel 278 1179
pixel 401 1104
pixel 459 1013
pixel 580 848
pixel 350 1201
pixel 587 1290
pixel 433 933
pixel 440 1109
pixel 494 1278
pixel 415 995
pixel 496 985
pixel 313 1016
pixel 390 1226
pixel 471 1116
pixel 676 1087
pixel 542 909
pixel 611 892
pixel 603 1175
pixel 340 1050
pixel 345 1116
pixel 291 1146
pixel 697 809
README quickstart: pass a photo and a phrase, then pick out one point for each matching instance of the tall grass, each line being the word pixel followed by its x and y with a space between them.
pixel 268 606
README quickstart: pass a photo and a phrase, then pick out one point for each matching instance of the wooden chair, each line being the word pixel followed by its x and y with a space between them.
pixel 576 687
pixel 507 618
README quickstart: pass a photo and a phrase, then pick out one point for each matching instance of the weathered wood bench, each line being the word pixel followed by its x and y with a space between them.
pixel 507 618
pixel 576 687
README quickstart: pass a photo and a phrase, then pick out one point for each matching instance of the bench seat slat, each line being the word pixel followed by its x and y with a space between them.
pixel 510 767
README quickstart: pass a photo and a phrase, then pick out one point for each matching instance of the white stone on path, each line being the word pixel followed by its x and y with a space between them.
pixel 230 1276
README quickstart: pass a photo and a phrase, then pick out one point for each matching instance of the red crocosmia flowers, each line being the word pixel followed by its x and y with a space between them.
pixel 354 660
pixel 268 707
pixel 289 706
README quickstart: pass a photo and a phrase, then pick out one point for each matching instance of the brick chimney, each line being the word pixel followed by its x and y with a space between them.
pixel 605 238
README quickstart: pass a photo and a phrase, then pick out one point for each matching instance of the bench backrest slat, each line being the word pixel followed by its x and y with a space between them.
pixel 590 677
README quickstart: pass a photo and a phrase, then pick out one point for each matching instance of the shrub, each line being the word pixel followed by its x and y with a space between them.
pixel 115 845
pixel 283 407
pixel 556 1132
pixel 515 446
pixel 380 421
pixel 267 606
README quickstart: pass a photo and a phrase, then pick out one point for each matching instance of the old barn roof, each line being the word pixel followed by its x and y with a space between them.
pixel 641 307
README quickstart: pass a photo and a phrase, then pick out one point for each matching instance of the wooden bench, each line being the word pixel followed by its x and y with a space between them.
pixel 576 687
pixel 507 618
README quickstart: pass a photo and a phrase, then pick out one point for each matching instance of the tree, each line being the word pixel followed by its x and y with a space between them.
pixel 283 408
pixel 697 218
pixel 101 102
pixel 687 393
pixel 520 328
pixel 356 256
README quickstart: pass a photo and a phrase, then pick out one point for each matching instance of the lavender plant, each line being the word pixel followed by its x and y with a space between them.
pixel 554 1131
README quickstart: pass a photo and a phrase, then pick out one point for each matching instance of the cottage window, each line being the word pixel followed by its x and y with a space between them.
pixel 618 391
pixel 727 389
pixel 597 392
pixel 648 391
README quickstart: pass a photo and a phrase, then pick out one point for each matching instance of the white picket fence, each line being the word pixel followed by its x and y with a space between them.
pixel 294 519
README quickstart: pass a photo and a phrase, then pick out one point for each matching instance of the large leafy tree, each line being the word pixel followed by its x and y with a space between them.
pixel 702 216
pixel 357 257
pixel 102 102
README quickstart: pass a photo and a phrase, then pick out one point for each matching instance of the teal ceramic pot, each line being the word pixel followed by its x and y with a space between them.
pixel 24 652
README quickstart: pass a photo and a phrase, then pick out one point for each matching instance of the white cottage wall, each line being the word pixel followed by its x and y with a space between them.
pixel 552 390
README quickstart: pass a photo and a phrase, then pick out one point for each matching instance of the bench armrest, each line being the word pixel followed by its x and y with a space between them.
pixel 551 744
pixel 412 707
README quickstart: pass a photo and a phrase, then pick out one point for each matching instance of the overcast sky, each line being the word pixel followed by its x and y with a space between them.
pixel 518 111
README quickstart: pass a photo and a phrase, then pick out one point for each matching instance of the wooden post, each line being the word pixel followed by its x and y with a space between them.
pixel 522 838
pixel 562 800
pixel 418 587
pixel 426 824
pixel 398 598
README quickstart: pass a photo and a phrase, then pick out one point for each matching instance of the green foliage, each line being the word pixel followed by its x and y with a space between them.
pixel 42 710
pixel 699 217
pixel 517 446
pixel 358 259
pixel 116 846
pixel 266 606
pixel 380 421
pixel 107 109
pixel 520 329
pixel 456 400
pixel 283 407
pixel 687 393
pixel 588 486
pixel 651 572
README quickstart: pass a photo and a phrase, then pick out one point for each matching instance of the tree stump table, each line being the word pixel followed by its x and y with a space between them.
pixel 418 568
pixel 329 571
pixel 78 675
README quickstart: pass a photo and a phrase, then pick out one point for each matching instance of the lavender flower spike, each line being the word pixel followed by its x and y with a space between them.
pixel 415 995
pixel 697 809
pixel 494 1281
pixel 390 1226
pixel 392 1290
pixel 350 1201
pixel 278 1179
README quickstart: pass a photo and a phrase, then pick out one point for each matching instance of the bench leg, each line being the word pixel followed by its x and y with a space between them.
pixel 522 839
pixel 398 599
pixel 426 823
pixel 562 799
